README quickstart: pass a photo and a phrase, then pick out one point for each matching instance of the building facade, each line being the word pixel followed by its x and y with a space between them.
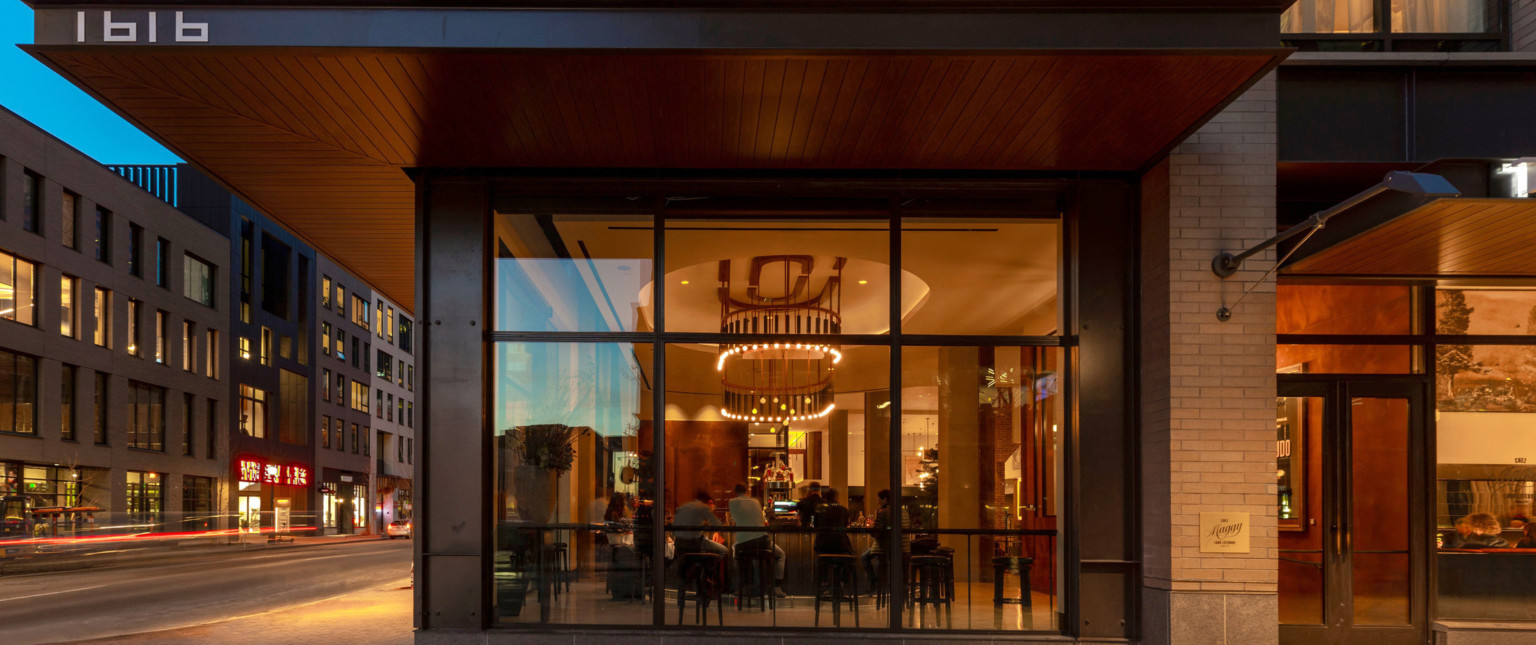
pixel 272 358
pixel 112 362
pixel 954 264
pixel 394 422
pixel 346 419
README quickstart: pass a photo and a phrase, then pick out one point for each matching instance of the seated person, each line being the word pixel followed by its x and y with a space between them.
pixel 831 515
pixel 1463 531
pixel 746 511
pixel 1528 540
pixel 698 513
pixel 1485 533
pixel 882 528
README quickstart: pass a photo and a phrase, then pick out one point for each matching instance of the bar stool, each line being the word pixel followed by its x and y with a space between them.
pixel 562 559
pixel 754 578
pixel 837 581
pixel 932 584
pixel 1001 567
pixel 703 570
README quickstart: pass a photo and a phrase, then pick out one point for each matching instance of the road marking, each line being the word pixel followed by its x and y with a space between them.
pixel 51 593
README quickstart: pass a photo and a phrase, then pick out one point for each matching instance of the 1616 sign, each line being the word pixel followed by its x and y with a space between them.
pixel 253 471
pixel 146 29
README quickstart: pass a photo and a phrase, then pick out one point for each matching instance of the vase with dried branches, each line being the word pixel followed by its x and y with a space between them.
pixel 543 453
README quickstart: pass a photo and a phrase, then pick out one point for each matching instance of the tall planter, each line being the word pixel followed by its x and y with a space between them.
pixel 535 489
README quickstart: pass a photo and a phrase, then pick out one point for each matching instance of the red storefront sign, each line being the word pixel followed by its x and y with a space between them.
pixel 255 471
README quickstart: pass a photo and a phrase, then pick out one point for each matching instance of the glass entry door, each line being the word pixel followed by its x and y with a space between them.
pixel 1351 513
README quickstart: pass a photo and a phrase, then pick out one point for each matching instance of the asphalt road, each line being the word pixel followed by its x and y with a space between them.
pixel 81 605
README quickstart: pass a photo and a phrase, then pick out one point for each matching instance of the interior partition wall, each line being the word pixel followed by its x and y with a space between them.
pixel 633 386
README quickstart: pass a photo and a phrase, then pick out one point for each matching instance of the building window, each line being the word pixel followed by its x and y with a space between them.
pixel 367 355
pixel 378 404
pixel 341 345
pixel 146 416
pixel 341 443
pixel 31 194
pixel 386 366
pixel 341 300
pixel 69 314
pixel 356 350
pixel 197 280
pixel 276 261
pixel 18 393
pixel 400 410
pixel 325 291
pixel 285 347
pixel 188 403
pixel 212 355
pixel 294 406
pixel 211 428
pixel 102 241
pixel 410 378
pixel 135 250
pixel 133 328
pixel 325 384
pixel 247 264
pixel 245 348
pixel 253 412
pixel 103 318
pixel 400 450
pixel 266 346
pixel 325 431
pixel 188 346
pixel 389 326
pixel 162 262
pixel 354 439
pixel 360 312
pixel 359 396
pixel 406 342
pixel 17 282
pixel 325 338
pixel 367 451
pixel 67 377
pixel 410 450
pixel 197 503
pixel 389 408
pixel 410 414
pixel 341 389
pixel 67 216
pixel 99 401
pixel 400 373
pixel 160 323
pixel 378 321
pixel 146 497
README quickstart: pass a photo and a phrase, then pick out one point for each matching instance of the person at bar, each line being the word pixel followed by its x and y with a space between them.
pixel 882 528
pixel 807 505
pixel 1463 531
pixel 698 513
pixel 747 512
pixel 1485 533
pixel 831 515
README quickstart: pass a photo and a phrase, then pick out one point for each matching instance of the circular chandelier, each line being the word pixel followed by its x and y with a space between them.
pixel 783 380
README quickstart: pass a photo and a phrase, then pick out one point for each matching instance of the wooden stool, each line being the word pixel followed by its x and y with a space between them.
pixel 837 581
pixel 754 578
pixel 932 584
pixel 703 571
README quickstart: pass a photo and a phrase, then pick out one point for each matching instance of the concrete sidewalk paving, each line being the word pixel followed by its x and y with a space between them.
pixel 375 616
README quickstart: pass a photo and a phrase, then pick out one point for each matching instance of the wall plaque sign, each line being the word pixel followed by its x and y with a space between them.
pixel 1224 532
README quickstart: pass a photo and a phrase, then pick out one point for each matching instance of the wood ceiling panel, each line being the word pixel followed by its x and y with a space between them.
pixel 319 139
pixel 1447 237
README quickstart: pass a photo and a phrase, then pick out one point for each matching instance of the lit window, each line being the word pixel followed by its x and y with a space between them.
pixel 69 317
pixel 133 327
pixel 197 280
pixel 17 300
pixel 253 412
pixel 266 346
pixel 160 322
pixel 188 346
pixel 245 348
pixel 103 318
pixel 67 217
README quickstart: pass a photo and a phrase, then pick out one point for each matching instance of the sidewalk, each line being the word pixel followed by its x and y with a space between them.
pixel 163 551
pixel 376 616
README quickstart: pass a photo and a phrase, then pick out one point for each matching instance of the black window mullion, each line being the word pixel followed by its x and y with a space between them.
pixel 895 572
pixel 658 415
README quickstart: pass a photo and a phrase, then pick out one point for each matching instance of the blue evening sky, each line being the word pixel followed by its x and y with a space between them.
pixel 30 89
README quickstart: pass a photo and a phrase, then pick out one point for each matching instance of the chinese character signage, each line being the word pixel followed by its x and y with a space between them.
pixel 254 471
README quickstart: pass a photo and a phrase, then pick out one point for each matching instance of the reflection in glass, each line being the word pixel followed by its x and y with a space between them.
pixel 981 432
pixel 572 265
pixel 981 276
pixel 1379 526
pixel 1300 476
pixel 1347 359
pixel 1343 309
pixel 1442 16
pixel 1329 17
pixel 571 480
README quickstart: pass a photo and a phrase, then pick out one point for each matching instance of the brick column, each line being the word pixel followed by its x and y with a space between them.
pixel 1208 387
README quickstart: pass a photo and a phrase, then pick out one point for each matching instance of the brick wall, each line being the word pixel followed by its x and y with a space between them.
pixel 1209 386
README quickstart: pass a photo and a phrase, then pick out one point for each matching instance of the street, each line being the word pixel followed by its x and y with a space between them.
pixel 230 593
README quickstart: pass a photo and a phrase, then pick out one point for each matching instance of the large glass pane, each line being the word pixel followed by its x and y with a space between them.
pixel 1379 526
pixel 1329 17
pixel 981 435
pixel 992 275
pixel 779 267
pixel 1485 311
pixel 1299 473
pixel 1444 16
pixel 1343 309
pixel 791 506
pixel 572 264
pixel 573 483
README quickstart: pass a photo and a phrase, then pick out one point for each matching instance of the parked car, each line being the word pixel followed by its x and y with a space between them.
pixel 398 528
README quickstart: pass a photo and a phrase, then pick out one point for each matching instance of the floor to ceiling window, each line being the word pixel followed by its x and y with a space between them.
pixel 772 412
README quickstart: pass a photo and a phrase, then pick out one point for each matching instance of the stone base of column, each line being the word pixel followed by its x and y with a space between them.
pixel 1209 617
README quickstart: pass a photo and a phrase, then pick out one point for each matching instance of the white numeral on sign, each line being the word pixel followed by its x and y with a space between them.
pixel 183 30
pixel 110 30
